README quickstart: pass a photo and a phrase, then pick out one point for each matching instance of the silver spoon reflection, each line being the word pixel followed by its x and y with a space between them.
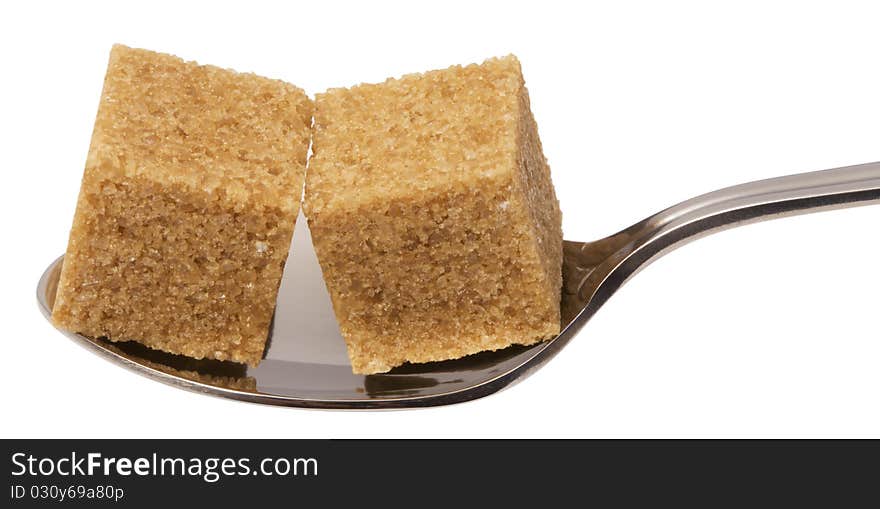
pixel 305 363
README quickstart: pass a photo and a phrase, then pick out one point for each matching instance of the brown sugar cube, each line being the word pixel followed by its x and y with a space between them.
pixel 187 207
pixel 434 217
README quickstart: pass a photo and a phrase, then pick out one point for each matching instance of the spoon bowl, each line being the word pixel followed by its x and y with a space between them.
pixel 305 363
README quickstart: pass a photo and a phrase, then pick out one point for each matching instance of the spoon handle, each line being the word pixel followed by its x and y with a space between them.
pixel 627 252
pixel 762 200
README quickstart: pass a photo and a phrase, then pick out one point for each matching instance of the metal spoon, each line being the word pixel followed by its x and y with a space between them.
pixel 305 364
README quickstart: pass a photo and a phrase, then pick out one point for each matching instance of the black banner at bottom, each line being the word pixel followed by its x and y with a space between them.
pixel 279 473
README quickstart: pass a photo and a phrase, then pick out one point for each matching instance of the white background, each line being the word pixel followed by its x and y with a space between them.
pixel 765 331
